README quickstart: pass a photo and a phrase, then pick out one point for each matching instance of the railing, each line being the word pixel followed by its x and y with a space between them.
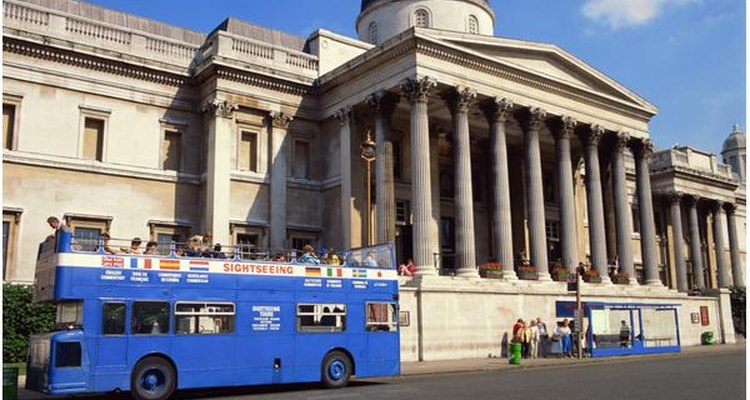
pixel 25 14
pixel 170 48
pixel 252 48
pixel 97 31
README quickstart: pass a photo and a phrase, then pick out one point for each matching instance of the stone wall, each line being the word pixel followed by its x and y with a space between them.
pixel 456 318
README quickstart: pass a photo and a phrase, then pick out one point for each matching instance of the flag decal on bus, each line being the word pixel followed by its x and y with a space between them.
pixel 112 262
pixel 334 272
pixel 359 273
pixel 312 271
pixel 136 262
pixel 169 264
pixel 198 265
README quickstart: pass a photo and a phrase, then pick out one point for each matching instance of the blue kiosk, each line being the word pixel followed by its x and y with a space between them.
pixel 617 329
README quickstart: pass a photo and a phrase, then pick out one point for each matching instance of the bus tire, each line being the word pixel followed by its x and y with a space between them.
pixel 336 370
pixel 153 378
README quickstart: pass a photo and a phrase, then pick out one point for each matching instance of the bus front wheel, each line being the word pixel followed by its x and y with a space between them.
pixel 337 369
pixel 153 379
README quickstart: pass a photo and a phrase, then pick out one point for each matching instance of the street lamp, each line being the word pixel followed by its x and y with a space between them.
pixel 368 154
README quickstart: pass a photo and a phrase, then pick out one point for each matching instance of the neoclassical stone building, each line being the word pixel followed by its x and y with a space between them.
pixel 487 148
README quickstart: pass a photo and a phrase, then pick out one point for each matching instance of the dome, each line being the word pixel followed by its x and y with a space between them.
pixel 380 20
pixel 735 141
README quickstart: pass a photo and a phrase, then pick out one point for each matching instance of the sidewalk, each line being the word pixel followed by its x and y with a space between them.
pixel 500 364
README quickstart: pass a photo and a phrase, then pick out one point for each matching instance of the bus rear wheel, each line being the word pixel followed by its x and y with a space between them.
pixel 153 379
pixel 336 370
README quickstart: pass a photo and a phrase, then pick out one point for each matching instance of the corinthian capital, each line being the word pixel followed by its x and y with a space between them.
pixel 382 102
pixel 563 127
pixel 643 148
pixel 675 197
pixel 344 115
pixel 418 89
pixel 220 108
pixel 497 109
pixel 460 99
pixel 621 141
pixel 532 119
pixel 280 119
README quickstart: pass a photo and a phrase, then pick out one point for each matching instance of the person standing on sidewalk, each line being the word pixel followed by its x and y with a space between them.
pixel 526 340
pixel 534 339
pixel 565 333
pixel 543 348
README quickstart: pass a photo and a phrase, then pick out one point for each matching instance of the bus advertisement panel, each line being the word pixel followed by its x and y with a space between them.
pixel 155 324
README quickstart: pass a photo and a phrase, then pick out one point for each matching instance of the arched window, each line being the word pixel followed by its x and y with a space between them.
pixel 372 32
pixel 473 25
pixel 422 18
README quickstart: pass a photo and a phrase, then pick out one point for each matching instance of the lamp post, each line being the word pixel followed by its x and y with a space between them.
pixel 368 154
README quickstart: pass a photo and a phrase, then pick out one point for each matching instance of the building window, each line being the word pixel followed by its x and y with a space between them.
pixel 447 235
pixel 203 318
pixel 321 317
pixel 301 160
pixel 635 219
pixel 473 25
pixel 422 18
pixel 9 125
pixel 93 139
pixel 403 213
pixel 446 181
pixel 553 230
pixel 299 239
pixel 250 241
pixel 381 317
pixel 372 32
pixel 165 233
pixel 87 230
pixel 11 219
pixel 550 189
pixel 553 240
pixel 248 152
pixel 171 150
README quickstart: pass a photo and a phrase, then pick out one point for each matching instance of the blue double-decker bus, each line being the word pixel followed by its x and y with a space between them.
pixel 155 324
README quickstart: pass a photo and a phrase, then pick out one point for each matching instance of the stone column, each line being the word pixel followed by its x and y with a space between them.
pixel 279 124
pixel 622 207
pixel 417 91
pixel 532 122
pixel 738 273
pixel 219 115
pixel 383 103
pixel 562 131
pixel 721 264
pixel 679 251
pixel 459 101
pixel 595 202
pixel 345 143
pixel 642 150
pixel 497 112
pixel 695 242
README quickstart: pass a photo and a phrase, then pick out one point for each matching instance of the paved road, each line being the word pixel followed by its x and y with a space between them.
pixel 710 376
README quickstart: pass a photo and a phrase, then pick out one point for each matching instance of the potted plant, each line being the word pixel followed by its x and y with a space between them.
pixel 491 270
pixel 559 273
pixel 591 275
pixel 527 272
pixel 621 278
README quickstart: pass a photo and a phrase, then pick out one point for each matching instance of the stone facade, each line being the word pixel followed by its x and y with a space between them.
pixel 487 149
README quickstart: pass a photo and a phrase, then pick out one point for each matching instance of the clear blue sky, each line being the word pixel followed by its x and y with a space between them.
pixel 685 56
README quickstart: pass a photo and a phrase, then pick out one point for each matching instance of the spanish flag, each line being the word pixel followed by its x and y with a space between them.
pixel 173 265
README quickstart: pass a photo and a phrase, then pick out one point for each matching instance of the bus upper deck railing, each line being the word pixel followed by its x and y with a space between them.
pixel 379 256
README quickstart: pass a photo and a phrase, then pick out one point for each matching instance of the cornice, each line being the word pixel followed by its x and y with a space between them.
pixel 53 54
pixel 253 79
pixel 694 175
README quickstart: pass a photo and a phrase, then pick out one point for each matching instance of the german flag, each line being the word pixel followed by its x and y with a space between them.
pixel 312 272
pixel 173 265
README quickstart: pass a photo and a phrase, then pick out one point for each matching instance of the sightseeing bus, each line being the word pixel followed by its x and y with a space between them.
pixel 153 324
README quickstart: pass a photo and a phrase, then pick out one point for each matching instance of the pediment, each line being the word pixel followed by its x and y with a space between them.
pixel 545 60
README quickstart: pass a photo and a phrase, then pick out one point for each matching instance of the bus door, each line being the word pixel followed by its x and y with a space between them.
pixel 204 342
pixel 382 333
pixel 112 344
pixel 149 329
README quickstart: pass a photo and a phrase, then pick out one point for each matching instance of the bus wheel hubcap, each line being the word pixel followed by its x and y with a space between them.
pixel 152 380
pixel 337 369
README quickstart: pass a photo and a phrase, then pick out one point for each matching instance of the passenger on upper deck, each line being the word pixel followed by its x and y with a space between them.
pixel 152 248
pixel 207 242
pixel 105 244
pixel 333 259
pixel 309 256
pixel 370 260
pixel 55 224
pixel 194 247
pixel 134 248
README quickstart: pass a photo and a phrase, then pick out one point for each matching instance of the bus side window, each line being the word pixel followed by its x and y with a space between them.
pixel 150 318
pixel 113 319
pixel 321 317
pixel 381 317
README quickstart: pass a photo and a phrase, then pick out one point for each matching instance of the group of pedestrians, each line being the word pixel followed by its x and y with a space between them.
pixel 537 341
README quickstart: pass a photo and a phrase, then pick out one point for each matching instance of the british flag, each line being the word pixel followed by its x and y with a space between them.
pixel 112 262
